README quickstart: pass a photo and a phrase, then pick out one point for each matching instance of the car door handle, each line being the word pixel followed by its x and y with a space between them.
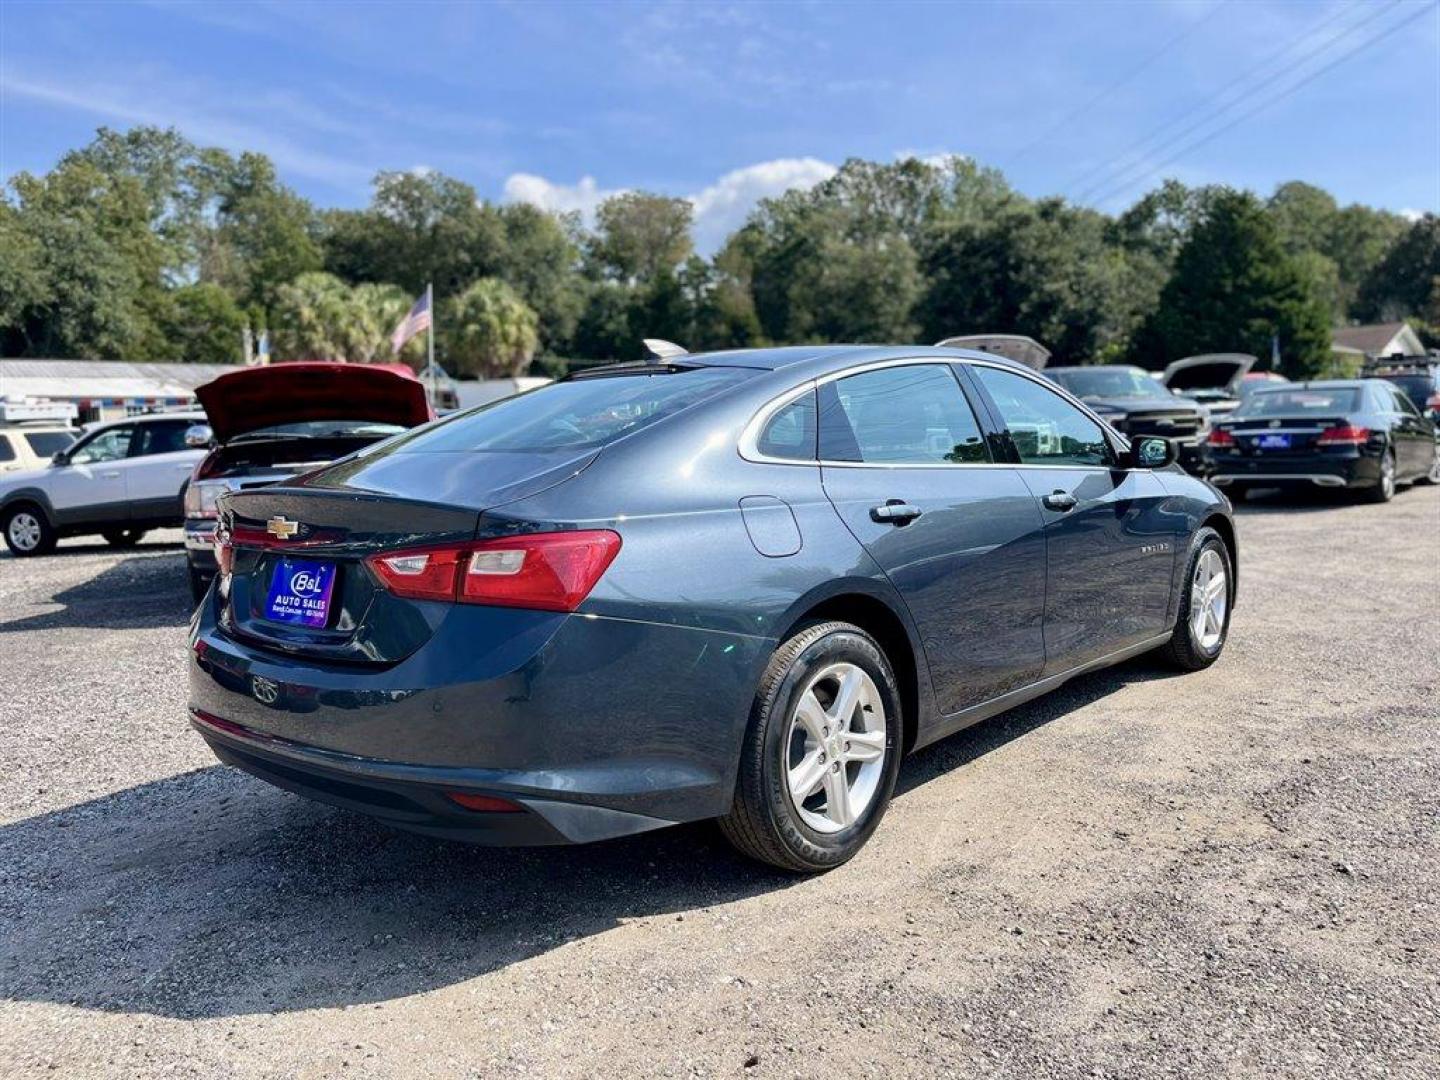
pixel 1059 500
pixel 111 475
pixel 895 512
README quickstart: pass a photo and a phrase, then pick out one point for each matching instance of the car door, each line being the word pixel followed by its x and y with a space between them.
pixel 907 467
pixel 1110 546
pixel 159 465
pixel 1414 438
pixel 90 487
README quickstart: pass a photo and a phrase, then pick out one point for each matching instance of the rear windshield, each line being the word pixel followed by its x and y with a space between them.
pixel 1301 402
pixel 579 414
pixel 48 443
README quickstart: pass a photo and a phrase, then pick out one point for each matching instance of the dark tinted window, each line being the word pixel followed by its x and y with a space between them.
pixel 790 433
pixel 7 452
pixel 1046 429
pixel 900 415
pixel 1300 402
pixel 163 436
pixel 47 444
pixel 577 414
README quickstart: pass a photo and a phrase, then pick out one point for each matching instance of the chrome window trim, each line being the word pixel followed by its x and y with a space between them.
pixel 750 436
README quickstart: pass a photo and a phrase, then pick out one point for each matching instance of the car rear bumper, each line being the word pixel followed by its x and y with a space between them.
pixel 598 727
pixel 1311 470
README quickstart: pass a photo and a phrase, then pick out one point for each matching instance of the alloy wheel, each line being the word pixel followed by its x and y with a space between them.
pixel 1387 475
pixel 1209 598
pixel 835 748
pixel 24 531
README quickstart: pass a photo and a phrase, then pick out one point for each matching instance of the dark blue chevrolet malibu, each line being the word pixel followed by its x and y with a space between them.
pixel 738 585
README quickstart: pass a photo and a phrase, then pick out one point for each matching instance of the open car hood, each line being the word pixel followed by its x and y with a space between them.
pixel 1213 371
pixel 1025 350
pixel 261 397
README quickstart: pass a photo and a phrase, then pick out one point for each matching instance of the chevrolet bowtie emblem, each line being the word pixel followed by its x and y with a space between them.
pixel 282 527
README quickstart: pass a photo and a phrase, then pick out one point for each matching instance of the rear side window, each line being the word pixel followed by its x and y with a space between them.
pixel 1045 428
pixel 7 452
pixel 912 415
pixel 47 444
pixel 790 433
pixel 578 414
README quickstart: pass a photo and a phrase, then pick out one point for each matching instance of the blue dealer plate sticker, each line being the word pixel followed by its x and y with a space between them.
pixel 300 592
pixel 1273 442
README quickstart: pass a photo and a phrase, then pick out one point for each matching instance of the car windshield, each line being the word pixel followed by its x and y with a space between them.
pixel 577 414
pixel 1291 402
pixel 1109 382
pixel 320 429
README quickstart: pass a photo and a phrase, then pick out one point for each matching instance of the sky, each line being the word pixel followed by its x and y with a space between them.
pixel 563 104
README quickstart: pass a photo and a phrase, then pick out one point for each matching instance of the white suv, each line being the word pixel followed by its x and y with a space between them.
pixel 118 479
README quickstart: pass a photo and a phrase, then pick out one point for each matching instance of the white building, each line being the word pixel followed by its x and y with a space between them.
pixel 106 389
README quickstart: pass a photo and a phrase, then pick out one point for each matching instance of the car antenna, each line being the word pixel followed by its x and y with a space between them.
pixel 658 350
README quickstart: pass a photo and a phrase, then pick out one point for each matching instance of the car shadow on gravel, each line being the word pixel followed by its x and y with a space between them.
pixel 139 592
pixel 100 547
pixel 210 894
pixel 1297 501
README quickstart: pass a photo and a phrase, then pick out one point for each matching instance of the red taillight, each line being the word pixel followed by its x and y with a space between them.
pixel 1343 435
pixel 1221 437
pixel 485 804
pixel 1432 403
pixel 547 571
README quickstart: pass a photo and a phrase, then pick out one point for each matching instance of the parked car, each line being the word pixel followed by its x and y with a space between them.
pixel 33 432
pixel 1417 376
pixel 739 585
pixel 119 479
pixel 1214 380
pixel 1135 404
pixel 271 423
pixel 1362 434
pixel 1258 380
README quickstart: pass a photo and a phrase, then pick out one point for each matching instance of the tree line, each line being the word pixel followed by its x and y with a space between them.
pixel 142 246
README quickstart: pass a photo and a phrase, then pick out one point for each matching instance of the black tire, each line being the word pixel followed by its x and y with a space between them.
pixel 23 521
pixel 123 538
pixel 1384 488
pixel 764 823
pixel 1184 650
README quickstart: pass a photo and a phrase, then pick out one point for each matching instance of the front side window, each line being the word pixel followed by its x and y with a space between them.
pixel 1045 428
pixel 163 437
pixel 112 444
pixel 790 433
pixel 912 415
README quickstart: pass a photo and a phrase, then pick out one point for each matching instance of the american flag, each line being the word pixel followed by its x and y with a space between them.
pixel 413 323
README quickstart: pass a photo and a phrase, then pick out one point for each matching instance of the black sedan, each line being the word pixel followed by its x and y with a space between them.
pixel 1365 435
pixel 1136 404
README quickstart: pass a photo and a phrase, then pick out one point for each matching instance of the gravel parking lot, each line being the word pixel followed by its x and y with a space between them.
pixel 1230 873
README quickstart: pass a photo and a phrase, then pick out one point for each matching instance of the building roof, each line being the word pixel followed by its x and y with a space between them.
pixel 1375 338
pixel 106 379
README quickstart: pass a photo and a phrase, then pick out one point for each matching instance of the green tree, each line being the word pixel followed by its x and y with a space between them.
pixel 1403 283
pixel 639 236
pixel 541 263
pixel 489 331
pixel 1233 288
pixel 202 324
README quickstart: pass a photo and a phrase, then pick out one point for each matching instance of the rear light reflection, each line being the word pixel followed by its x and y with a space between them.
pixel 544 571
pixel 224 553
pixel 485 804
pixel 1343 435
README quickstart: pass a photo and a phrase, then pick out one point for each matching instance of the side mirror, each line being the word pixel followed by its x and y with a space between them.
pixel 60 458
pixel 199 436
pixel 1153 453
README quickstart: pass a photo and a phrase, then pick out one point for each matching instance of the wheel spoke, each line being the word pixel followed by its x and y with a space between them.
pixel 842 711
pixel 837 798
pixel 811 715
pixel 865 745
pixel 806 776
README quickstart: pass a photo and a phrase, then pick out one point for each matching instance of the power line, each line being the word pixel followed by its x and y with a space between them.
pixel 1069 118
pixel 1261 106
pixel 1105 172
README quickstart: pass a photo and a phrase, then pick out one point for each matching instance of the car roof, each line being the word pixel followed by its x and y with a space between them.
pixel 1098 367
pixel 1313 384
pixel 806 361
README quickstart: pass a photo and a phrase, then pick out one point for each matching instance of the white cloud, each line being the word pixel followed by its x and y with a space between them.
pixel 720 208
pixel 1411 214
pixel 584 196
